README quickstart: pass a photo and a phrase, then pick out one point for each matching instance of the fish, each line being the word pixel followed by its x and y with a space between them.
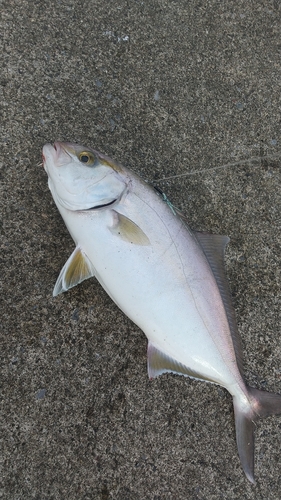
pixel 168 279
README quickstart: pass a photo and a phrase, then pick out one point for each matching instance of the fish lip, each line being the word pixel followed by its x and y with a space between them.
pixel 45 155
pixel 51 150
pixel 56 149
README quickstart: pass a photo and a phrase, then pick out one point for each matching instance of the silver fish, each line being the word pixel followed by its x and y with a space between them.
pixel 168 279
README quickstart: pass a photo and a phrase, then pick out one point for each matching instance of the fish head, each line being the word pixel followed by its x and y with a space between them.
pixel 81 178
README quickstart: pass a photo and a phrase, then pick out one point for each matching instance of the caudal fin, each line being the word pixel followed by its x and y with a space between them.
pixel 262 404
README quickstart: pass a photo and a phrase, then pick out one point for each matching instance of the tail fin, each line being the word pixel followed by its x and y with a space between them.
pixel 262 404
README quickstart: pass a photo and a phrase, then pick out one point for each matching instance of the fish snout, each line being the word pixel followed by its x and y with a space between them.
pixel 55 154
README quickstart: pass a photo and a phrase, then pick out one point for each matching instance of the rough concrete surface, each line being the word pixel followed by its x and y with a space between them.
pixel 187 93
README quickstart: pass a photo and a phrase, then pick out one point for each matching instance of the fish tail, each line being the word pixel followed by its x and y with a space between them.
pixel 261 404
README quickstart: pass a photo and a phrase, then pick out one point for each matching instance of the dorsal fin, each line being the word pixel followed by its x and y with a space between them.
pixel 76 269
pixel 213 246
pixel 158 362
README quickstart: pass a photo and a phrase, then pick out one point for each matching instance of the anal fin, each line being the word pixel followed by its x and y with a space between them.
pixel 76 269
pixel 159 362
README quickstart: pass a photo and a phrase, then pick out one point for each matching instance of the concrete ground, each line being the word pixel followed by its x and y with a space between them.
pixel 188 95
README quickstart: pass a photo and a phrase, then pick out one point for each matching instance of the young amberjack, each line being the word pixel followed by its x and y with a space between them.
pixel 168 279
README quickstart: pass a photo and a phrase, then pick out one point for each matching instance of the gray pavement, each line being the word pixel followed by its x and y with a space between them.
pixel 188 95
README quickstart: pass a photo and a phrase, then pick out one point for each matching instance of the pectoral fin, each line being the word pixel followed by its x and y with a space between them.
pixel 77 268
pixel 159 362
pixel 128 231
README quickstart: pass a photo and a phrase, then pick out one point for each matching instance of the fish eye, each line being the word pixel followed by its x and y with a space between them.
pixel 86 158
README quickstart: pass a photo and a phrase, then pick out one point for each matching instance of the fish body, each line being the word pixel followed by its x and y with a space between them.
pixel 166 278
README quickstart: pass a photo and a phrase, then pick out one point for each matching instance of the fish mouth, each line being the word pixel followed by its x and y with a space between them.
pixel 52 151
